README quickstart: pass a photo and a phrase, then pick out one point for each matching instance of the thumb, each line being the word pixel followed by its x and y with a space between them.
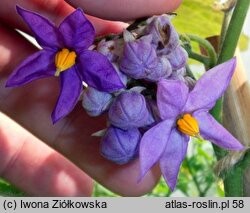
pixel 125 10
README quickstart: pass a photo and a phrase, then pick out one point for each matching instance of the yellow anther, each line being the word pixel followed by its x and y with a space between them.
pixel 64 60
pixel 188 125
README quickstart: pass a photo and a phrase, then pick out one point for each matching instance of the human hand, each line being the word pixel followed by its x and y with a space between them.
pixel 26 160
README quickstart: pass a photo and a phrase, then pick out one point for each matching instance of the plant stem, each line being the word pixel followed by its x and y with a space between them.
pixel 201 194
pixel 212 56
pixel 226 20
pixel 230 43
pixel 234 30
pixel 203 59
pixel 233 181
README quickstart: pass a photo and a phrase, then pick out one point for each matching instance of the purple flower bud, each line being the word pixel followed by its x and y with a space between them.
pixel 154 116
pixel 129 110
pixel 120 146
pixel 121 75
pixel 163 32
pixel 190 82
pixel 138 89
pixel 107 48
pixel 128 36
pixel 95 102
pixel 154 112
pixel 140 61
pixel 178 74
pixel 163 70
pixel 178 58
pixel 147 38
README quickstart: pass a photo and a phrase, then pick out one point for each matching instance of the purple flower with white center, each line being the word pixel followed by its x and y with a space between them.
pixel 129 110
pixel 185 114
pixel 95 102
pixel 140 61
pixel 120 146
pixel 65 53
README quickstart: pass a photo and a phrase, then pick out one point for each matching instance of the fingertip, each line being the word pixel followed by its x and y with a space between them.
pixel 103 27
pixel 125 10
pixel 128 176
pixel 173 5
pixel 146 183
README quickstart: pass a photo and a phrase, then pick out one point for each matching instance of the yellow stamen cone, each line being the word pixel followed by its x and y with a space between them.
pixel 64 60
pixel 188 125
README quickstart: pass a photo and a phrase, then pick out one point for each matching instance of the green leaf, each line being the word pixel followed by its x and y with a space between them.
pixel 8 190
pixel 101 191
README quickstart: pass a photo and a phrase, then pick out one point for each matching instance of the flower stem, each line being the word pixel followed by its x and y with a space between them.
pixel 197 184
pixel 234 30
pixel 226 20
pixel 233 181
pixel 203 59
pixel 212 56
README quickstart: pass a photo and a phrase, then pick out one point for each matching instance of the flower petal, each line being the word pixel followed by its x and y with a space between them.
pixel 46 34
pixel 211 130
pixel 153 144
pixel 71 86
pixel 173 156
pixel 171 97
pixel 210 87
pixel 98 72
pixel 77 31
pixel 38 65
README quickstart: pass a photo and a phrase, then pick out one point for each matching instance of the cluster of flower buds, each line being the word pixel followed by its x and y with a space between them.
pixel 138 79
pixel 141 56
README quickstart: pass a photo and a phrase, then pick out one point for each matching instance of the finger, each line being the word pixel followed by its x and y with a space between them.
pixel 84 150
pixel 10 40
pixel 36 168
pixel 55 10
pixel 31 106
pixel 125 9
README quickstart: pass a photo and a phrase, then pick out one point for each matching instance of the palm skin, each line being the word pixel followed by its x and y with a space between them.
pixel 35 167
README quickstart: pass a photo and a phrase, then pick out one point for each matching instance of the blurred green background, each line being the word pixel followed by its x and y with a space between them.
pixel 196 177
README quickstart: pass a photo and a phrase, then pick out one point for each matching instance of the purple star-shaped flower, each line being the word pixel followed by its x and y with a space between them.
pixel 65 53
pixel 185 114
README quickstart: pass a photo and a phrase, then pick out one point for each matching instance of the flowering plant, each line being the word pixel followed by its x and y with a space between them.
pixel 139 79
